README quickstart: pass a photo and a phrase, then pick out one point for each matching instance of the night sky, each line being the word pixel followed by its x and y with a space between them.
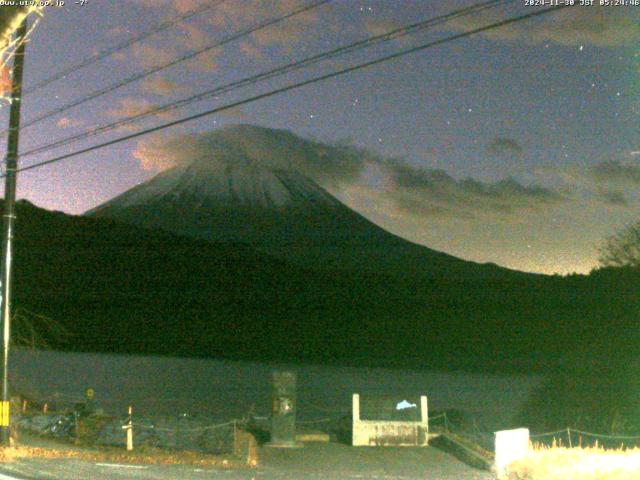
pixel 519 146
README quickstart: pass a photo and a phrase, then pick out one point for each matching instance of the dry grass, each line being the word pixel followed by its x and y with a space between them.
pixel 146 456
pixel 590 463
pixel 32 447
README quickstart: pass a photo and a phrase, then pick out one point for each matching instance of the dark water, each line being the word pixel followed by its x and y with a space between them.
pixel 225 390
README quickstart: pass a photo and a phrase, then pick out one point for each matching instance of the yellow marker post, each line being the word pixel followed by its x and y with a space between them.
pixel 4 414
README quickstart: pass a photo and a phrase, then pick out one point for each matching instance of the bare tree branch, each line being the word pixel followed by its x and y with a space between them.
pixel 622 249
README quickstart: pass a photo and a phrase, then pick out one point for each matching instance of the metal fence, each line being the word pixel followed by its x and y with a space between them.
pixel 178 433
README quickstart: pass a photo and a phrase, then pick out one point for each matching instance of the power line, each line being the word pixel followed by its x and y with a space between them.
pixel 146 73
pixel 371 41
pixel 121 46
pixel 295 86
pixel 368 42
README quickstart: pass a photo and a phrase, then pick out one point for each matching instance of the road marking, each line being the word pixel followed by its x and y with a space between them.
pixel 119 465
pixel 4 476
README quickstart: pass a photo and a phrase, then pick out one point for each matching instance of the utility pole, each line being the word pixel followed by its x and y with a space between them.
pixel 9 217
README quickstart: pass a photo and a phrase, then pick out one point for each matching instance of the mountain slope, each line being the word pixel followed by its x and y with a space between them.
pixel 236 192
pixel 119 288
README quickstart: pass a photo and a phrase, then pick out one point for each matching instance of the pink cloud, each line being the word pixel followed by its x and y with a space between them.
pixel 161 86
pixel 193 37
pixel 149 55
pixel 66 122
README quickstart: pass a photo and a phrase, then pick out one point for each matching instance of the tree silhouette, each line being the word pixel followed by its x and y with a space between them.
pixel 622 249
pixel 34 330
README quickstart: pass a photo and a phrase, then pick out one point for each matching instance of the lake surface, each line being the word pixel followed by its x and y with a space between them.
pixel 226 389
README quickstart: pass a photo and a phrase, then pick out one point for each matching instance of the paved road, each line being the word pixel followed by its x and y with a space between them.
pixel 319 461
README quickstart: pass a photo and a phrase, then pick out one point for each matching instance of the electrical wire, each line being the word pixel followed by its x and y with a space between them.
pixel 146 73
pixel 298 85
pixel 121 46
pixel 350 48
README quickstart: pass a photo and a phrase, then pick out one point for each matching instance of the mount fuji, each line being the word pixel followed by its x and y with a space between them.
pixel 245 186
pixel 257 261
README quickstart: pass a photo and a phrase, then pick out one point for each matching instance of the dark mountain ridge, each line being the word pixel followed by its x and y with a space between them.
pixel 120 288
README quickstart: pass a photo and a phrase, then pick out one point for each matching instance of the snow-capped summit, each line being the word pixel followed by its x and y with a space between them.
pixel 246 184
pixel 238 182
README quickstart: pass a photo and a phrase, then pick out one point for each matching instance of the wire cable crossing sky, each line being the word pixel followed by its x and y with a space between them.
pixel 96 57
pixel 141 75
pixel 366 43
pixel 514 144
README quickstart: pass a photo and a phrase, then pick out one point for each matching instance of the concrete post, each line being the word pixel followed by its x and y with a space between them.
pixel 424 410
pixel 511 446
pixel 283 414
pixel 356 407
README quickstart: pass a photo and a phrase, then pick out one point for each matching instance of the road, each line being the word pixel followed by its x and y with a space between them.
pixel 314 461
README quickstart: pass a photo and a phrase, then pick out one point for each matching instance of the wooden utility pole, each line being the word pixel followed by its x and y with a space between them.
pixel 9 217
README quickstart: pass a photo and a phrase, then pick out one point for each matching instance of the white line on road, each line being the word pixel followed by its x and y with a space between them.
pixel 119 465
pixel 8 477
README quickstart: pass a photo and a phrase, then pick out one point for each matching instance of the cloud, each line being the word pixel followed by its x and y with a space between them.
pixel 433 191
pixel 551 222
pixel 339 167
pixel 192 36
pixel 180 6
pixel 148 55
pixel 595 181
pixel 67 122
pixel 161 86
pixel 615 172
pixel 183 6
pixel 153 155
pixel 236 112
pixel 283 35
pixel 233 15
pixel 378 26
pixel 131 107
pixel 595 25
pixel 504 146
pixel 242 144
pixel 599 26
pixel 118 31
pixel 615 198
pixel 293 30
pixel 251 50
pixel 206 62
